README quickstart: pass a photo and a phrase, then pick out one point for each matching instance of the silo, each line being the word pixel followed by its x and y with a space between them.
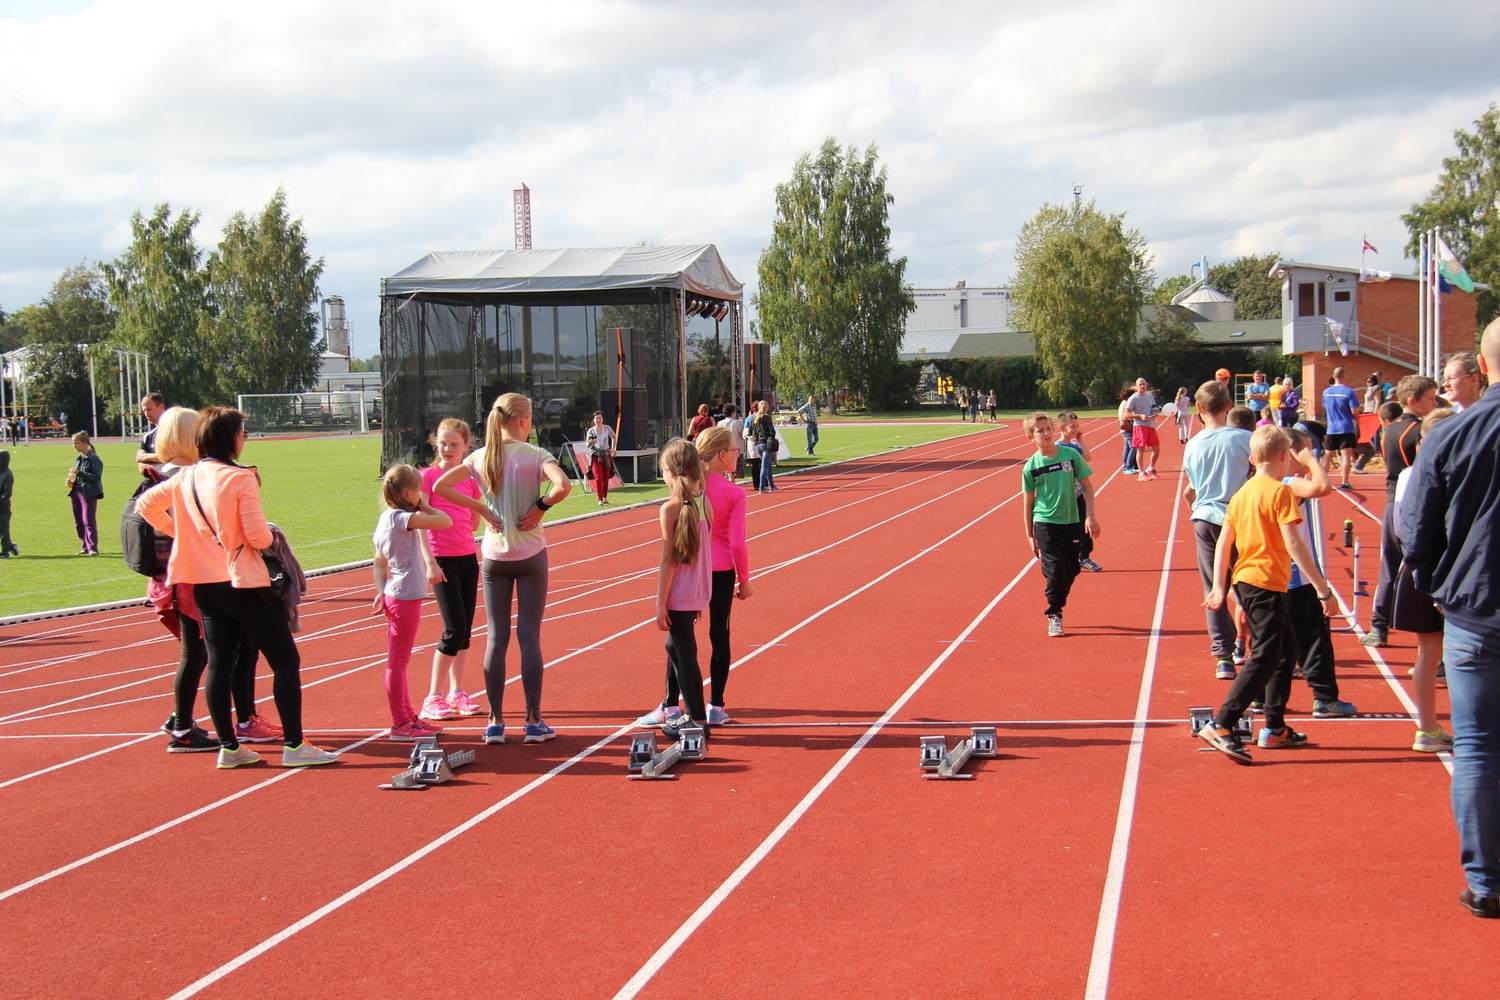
pixel 1210 303
pixel 335 326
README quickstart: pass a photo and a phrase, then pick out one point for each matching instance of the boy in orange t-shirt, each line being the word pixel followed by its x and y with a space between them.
pixel 1261 523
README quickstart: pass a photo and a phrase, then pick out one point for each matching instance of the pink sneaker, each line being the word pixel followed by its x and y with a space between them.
pixel 410 732
pixel 257 730
pixel 435 707
pixel 463 705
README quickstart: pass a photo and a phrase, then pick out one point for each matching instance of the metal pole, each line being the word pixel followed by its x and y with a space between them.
pixel 1421 304
pixel 93 399
pixel 120 381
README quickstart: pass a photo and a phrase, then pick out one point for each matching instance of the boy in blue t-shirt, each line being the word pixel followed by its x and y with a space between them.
pixel 1340 404
pixel 1048 481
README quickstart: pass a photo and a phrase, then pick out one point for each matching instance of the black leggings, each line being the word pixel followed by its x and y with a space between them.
pixel 527 579
pixel 719 607
pixel 228 614
pixel 193 657
pixel 456 597
pixel 682 660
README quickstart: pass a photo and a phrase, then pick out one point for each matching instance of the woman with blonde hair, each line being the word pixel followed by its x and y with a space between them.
pixel 510 471
pixel 762 434
pixel 213 512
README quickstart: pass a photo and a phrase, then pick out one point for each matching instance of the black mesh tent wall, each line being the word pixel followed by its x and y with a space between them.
pixel 459 329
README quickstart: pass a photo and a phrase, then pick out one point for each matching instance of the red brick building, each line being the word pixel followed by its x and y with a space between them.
pixel 1333 319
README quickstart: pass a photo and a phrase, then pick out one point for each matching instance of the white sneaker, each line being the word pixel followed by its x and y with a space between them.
pixel 1054 626
pixel 659 716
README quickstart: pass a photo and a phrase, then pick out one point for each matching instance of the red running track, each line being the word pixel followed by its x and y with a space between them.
pixel 1101 854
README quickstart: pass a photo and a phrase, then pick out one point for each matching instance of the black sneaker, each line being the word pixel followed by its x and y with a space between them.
pixel 1224 741
pixel 195 741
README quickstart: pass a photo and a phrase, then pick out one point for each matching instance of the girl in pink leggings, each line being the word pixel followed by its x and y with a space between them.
pixel 402 560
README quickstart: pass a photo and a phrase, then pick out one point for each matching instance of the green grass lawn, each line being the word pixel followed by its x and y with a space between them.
pixel 323 492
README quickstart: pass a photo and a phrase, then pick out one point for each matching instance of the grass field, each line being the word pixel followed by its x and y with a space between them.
pixel 323 492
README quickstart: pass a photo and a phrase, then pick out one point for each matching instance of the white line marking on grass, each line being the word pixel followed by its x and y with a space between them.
pixel 1114 878
pixel 703 912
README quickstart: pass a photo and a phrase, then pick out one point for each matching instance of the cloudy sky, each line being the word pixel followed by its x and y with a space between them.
pixel 1219 127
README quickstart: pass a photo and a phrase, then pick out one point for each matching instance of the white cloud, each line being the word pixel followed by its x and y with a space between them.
pixel 1220 129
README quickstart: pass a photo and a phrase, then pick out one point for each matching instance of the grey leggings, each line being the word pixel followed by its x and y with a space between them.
pixel 528 579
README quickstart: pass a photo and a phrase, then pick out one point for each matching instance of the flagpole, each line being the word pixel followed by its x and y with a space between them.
pixel 1437 319
pixel 1421 304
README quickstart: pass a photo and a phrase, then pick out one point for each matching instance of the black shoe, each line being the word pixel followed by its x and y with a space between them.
pixel 1481 906
pixel 196 741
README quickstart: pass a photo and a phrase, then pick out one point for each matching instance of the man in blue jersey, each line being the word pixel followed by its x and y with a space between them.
pixel 1340 404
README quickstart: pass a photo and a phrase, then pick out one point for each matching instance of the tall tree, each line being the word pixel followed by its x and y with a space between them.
pixel 831 298
pixel 157 287
pixel 1081 278
pixel 60 329
pixel 1463 207
pixel 263 294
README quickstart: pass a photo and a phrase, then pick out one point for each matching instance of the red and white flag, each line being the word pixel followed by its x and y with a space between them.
pixel 1369 248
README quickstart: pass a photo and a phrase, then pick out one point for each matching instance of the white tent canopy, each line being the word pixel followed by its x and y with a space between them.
pixel 698 270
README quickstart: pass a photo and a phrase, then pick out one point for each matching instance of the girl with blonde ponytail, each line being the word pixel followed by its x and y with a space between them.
pixel 684 579
pixel 510 472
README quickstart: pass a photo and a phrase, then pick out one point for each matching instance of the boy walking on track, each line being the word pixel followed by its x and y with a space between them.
pixel 1142 409
pixel 1048 481
pixel 1217 463
pixel 1261 523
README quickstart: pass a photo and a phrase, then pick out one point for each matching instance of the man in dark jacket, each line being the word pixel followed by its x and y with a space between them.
pixel 1449 525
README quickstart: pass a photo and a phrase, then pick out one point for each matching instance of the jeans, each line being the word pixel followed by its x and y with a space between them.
pixel 812 437
pixel 767 463
pixel 1473 664
pixel 1127 457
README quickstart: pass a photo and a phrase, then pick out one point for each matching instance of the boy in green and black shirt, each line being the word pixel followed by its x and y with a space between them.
pixel 1048 480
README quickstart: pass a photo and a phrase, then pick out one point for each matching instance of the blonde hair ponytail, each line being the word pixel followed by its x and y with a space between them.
pixel 680 458
pixel 712 443
pixel 508 409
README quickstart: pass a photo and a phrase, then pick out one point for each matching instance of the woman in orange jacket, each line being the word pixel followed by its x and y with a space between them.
pixel 213 512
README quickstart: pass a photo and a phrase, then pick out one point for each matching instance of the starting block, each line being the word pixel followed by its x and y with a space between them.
pixel 1200 717
pixel 940 764
pixel 649 764
pixel 429 766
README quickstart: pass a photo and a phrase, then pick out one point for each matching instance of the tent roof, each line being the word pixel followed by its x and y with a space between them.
pixel 697 269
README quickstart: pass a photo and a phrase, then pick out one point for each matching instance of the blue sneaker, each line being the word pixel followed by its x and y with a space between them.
pixel 1334 709
pixel 495 733
pixel 539 732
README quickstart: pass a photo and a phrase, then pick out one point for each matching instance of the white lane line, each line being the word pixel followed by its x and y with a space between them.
pixel 469 824
pixel 703 912
pixel 163 827
pixel 1114 878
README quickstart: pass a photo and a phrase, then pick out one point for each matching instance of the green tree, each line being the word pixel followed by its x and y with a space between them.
pixel 831 300
pixel 157 287
pixel 1081 278
pixel 263 296
pixel 60 330
pixel 1462 206
pixel 1168 352
pixel 1248 281
pixel 1162 294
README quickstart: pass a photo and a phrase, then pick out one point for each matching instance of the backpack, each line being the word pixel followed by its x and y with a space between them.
pixel 146 549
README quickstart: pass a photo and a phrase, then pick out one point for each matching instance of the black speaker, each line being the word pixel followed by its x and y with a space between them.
pixel 634 423
pixel 632 343
pixel 759 382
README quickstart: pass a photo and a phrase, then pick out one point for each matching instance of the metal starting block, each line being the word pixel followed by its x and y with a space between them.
pixel 1200 717
pixel 938 763
pixel 647 764
pixel 429 766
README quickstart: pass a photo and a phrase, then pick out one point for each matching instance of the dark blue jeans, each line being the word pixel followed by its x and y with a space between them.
pixel 1473 664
